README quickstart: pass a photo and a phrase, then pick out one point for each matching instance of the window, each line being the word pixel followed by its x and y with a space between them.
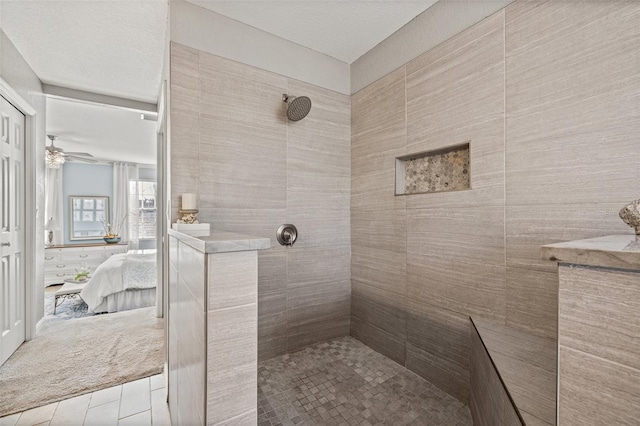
pixel 142 206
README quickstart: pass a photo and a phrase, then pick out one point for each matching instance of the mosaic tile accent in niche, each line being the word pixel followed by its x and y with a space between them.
pixel 438 171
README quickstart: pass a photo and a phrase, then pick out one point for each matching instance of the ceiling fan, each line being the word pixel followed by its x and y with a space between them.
pixel 56 156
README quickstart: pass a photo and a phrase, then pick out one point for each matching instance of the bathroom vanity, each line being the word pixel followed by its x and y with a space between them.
pixel 212 326
pixel 598 330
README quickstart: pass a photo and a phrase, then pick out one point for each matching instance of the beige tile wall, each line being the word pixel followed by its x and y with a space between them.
pixel 253 171
pixel 599 369
pixel 548 93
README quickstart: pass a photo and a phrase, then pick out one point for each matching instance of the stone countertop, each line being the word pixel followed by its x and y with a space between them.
pixel 221 242
pixel 613 251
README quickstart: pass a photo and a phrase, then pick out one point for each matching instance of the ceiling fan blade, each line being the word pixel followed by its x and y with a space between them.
pixel 74 158
pixel 81 154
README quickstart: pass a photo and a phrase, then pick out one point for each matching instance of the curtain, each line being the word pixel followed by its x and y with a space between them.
pixel 53 216
pixel 124 217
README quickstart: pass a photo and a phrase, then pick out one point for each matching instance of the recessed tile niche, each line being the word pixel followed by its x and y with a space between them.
pixel 441 170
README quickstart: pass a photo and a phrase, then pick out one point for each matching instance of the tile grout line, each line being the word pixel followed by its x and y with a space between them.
pixel 406 221
pixel 504 146
pixel 286 251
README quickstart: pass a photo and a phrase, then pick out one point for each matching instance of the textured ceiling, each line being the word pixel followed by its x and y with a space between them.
pixel 343 29
pixel 110 47
pixel 109 133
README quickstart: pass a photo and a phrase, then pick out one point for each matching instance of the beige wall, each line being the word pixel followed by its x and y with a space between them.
pixel 203 29
pixel 548 93
pixel 253 171
pixel 15 71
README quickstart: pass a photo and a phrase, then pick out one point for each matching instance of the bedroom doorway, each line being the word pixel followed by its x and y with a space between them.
pixel 101 209
pixel 101 319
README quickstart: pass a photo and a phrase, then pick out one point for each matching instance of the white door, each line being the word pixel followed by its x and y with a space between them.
pixel 12 230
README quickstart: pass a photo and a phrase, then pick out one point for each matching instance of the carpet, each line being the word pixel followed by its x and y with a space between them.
pixel 70 358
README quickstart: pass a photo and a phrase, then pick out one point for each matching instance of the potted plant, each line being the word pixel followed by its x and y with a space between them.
pixel 82 274
pixel 111 234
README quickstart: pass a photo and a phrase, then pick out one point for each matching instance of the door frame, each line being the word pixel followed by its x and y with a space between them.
pixel 30 212
pixel 161 197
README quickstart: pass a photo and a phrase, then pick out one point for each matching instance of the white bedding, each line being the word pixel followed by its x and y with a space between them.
pixel 125 272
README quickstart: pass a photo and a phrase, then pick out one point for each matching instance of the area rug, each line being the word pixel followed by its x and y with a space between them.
pixel 67 309
pixel 70 358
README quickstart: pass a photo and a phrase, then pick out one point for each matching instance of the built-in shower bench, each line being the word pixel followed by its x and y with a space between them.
pixel 513 376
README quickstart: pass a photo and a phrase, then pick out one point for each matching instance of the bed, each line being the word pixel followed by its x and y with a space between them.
pixel 124 281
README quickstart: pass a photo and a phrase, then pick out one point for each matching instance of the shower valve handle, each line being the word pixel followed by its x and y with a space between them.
pixel 287 234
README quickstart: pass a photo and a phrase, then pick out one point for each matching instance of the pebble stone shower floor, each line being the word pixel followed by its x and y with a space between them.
pixel 344 382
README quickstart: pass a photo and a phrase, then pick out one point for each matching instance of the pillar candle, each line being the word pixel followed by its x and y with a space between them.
pixel 189 202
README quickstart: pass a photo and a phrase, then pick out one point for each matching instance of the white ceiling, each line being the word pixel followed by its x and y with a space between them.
pixel 343 29
pixel 109 133
pixel 109 47
pixel 116 47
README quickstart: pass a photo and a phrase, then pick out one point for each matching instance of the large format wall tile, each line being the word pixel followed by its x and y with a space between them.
pixel 232 279
pixel 376 338
pixel 373 183
pixel 319 145
pixel 272 270
pixel 379 268
pixel 309 266
pixel 258 222
pixel 321 227
pixel 318 187
pixel 185 135
pixel 380 308
pixel 546 94
pixel 532 226
pixel 470 288
pixel 379 228
pixel 242 165
pixel 581 373
pixel 457 82
pixel 253 171
pixel 242 136
pixel 572 103
pixel 455 94
pixel 570 108
pixel 298 337
pixel 185 78
pixel 231 380
pixel 592 317
pixel 378 117
pixel 532 301
pixel 272 324
pixel 471 234
pixel 439 371
pixel 317 302
pixel 443 252
pixel 438 346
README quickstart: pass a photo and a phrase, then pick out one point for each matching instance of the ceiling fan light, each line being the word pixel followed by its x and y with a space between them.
pixel 54 159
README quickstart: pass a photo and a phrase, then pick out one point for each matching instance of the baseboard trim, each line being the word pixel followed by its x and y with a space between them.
pixel 40 324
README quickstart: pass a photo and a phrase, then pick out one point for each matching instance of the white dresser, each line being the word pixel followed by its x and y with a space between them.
pixel 62 262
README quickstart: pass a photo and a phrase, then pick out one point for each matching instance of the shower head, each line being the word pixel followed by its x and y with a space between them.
pixel 297 107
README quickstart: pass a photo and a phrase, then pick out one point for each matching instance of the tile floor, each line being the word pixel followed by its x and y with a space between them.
pixel 138 403
pixel 344 382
